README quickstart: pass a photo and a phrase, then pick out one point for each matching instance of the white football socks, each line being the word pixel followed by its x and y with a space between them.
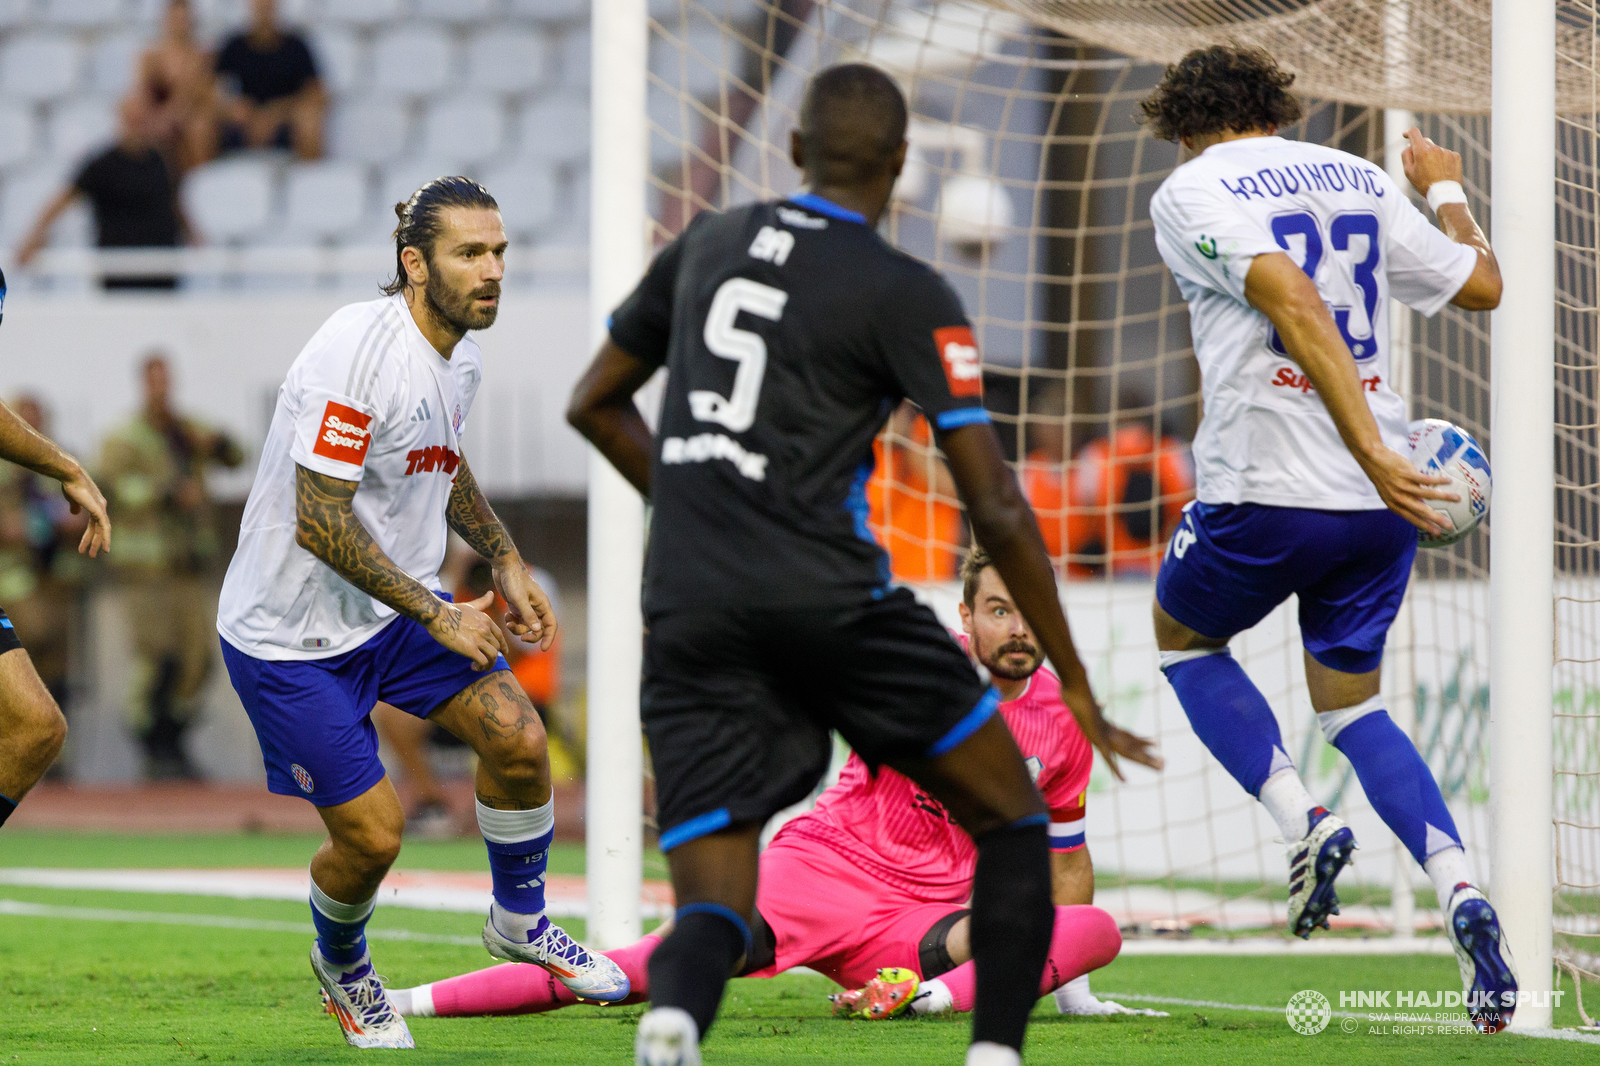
pixel 985 1053
pixel 933 996
pixel 1447 869
pixel 1074 994
pixel 1285 797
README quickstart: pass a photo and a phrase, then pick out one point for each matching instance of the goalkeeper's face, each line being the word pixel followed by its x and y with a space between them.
pixel 465 268
pixel 1000 639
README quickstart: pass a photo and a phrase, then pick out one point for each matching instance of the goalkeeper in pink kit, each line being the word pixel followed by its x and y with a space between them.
pixel 870 887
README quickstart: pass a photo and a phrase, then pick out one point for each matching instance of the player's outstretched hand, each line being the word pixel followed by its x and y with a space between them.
pixel 1406 490
pixel 84 496
pixel 1426 162
pixel 529 616
pixel 465 628
pixel 1108 739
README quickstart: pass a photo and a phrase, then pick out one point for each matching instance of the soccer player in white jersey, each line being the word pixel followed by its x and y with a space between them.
pixel 1288 254
pixel 332 603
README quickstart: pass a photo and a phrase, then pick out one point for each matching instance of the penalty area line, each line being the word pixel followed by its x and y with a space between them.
pixel 1542 1034
pixel 17 908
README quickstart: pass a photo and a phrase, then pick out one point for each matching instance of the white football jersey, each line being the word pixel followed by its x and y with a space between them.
pixel 369 400
pixel 1266 436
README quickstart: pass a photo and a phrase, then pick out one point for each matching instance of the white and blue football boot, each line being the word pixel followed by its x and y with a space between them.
pixel 667 1037
pixel 1488 977
pixel 357 1001
pixel 1314 863
pixel 589 974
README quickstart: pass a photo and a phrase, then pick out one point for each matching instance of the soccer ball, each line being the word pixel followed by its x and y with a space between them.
pixel 1440 447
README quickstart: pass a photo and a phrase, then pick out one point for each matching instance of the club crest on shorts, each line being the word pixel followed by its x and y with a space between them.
pixel 301 777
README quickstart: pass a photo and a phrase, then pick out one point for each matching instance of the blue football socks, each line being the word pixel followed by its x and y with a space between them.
pixel 1228 713
pixel 519 853
pixel 1397 782
pixel 341 927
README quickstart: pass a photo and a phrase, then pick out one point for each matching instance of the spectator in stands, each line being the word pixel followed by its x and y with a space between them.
pixel 154 471
pixel 176 88
pixel 271 94
pixel 37 578
pixel 912 504
pixel 134 194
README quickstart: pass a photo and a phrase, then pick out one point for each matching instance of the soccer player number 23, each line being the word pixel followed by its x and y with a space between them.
pixel 1363 224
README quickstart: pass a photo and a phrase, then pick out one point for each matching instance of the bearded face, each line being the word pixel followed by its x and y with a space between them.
pixel 1000 638
pixel 463 306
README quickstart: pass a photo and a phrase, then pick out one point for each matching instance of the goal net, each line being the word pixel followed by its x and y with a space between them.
pixel 1028 185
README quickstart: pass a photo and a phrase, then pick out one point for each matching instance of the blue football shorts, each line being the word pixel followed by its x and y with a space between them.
pixel 313 717
pixel 1228 565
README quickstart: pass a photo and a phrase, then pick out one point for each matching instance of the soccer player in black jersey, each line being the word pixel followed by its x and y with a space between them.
pixel 791 330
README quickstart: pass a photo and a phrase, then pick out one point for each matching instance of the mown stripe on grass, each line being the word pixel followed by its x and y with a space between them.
pixel 1545 1034
pixel 18 908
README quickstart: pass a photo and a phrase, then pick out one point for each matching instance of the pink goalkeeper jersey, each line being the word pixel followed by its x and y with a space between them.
pixel 899 833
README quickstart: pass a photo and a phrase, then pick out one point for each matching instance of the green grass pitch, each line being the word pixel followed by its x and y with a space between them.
pixel 116 992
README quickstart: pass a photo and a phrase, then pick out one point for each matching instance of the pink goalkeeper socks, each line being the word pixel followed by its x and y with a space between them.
pixel 518 988
pixel 1084 938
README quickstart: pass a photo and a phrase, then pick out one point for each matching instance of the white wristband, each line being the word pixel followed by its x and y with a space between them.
pixel 1445 192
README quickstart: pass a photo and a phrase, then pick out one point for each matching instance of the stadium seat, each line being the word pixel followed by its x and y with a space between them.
pixel 555 129
pixel 361 12
pixel 82 14
pixel 575 60
pixel 527 195
pixel 340 57
pixel 16 135
pixel 81 126
pixel 23 197
pixel 551 10
pixel 455 10
pixel 465 128
pixel 412 60
pixel 13 13
pixel 695 57
pixel 230 201
pixel 113 59
pixel 370 130
pixel 35 67
pixel 323 201
pixel 508 61
pixel 403 179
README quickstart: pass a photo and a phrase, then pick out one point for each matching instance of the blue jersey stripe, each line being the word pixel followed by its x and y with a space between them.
pixel 962 416
pixel 968 725
pixel 812 202
pixel 695 827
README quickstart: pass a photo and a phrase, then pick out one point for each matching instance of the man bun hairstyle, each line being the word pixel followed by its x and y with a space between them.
pixel 1225 88
pixel 972 568
pixel 420 223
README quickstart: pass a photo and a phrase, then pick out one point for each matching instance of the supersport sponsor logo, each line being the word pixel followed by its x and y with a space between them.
pixel 1289 378
pixel 958 352
pixel 344 434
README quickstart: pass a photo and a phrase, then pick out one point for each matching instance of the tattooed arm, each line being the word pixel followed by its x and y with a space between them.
pixel 327 527
pixel 530 615
pixel 471 516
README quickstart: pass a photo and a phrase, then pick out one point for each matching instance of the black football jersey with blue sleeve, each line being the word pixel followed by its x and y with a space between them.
pixel 790 331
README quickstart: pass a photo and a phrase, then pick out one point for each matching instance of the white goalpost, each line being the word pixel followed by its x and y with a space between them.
pixel 1028 187
pixel 1522 544
pixel 618 254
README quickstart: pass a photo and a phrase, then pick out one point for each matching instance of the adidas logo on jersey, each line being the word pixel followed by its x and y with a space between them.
pixel 421 414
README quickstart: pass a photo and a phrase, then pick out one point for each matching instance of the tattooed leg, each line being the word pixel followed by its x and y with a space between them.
pixel 495 717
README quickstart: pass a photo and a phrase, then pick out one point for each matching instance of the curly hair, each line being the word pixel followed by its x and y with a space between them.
pixel 1222 88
